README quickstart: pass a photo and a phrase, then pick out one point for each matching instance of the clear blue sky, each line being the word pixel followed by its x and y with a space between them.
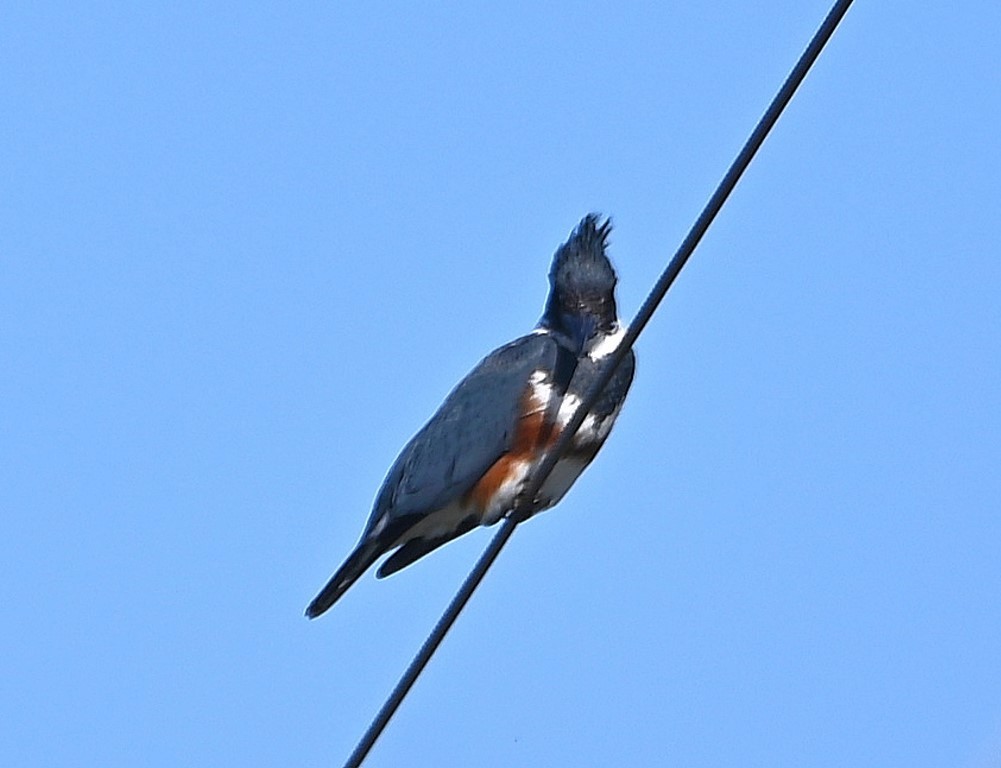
pixel 246 249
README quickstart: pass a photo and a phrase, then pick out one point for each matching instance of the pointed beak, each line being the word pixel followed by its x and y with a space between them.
pixel 582 328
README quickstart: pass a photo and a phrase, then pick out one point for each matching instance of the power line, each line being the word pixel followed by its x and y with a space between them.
pixel 684 252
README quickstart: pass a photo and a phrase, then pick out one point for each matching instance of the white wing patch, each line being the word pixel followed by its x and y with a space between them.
pixel 542 388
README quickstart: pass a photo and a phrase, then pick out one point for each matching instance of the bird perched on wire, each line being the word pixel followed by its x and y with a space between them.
pixel 467 466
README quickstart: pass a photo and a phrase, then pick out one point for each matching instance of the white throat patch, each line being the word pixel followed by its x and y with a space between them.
pixel 607 344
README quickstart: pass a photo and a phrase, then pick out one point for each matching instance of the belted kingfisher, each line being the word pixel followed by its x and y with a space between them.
pixel 469 463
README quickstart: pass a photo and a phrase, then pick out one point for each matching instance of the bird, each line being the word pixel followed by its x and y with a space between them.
pixel 469 464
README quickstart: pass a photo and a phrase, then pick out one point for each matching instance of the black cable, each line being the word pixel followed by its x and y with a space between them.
pixel 685 250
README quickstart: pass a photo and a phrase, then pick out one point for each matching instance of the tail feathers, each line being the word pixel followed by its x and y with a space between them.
pixel 357 563
pixel 408 553
pixel 416 548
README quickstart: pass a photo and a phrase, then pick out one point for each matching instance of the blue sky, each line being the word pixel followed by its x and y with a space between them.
pixel 246 250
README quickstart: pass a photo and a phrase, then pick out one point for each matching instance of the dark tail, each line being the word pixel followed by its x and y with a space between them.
pixel 356 564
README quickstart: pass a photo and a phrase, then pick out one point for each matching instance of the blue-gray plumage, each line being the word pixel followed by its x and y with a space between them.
pixel 468 464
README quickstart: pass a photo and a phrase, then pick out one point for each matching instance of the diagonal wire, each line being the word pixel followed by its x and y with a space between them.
pixel 685 250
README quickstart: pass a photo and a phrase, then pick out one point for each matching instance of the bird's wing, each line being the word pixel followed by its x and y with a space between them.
pixel 473 428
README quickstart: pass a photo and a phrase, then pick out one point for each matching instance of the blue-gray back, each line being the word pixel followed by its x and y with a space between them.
pixel 473 428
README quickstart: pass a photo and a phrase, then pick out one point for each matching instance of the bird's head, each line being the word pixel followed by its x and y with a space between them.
pixel 581 304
